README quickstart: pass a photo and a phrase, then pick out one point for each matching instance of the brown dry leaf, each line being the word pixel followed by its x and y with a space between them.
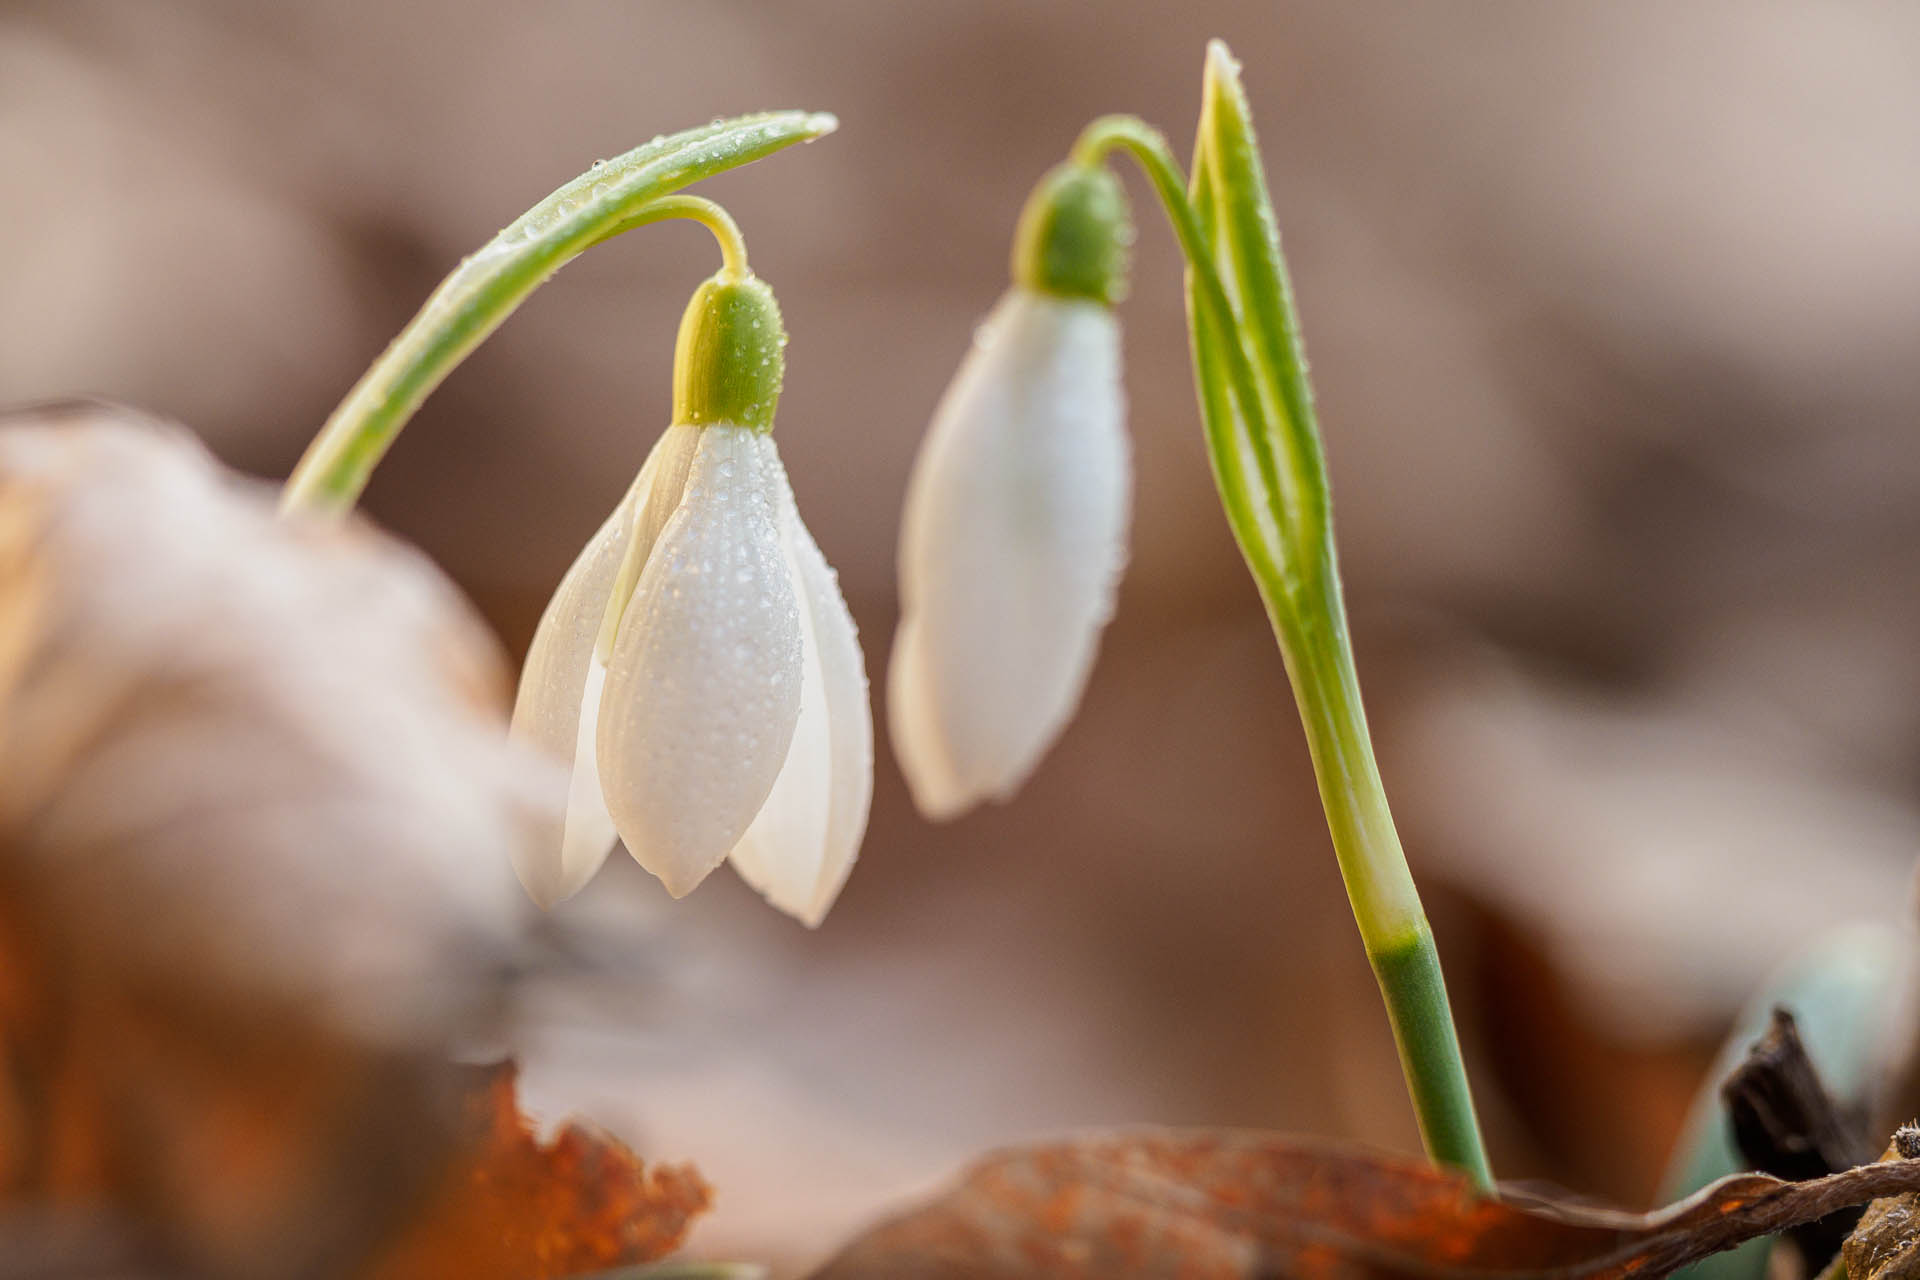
pixel 519 1209
pixel 1227 1205
pixel 256 815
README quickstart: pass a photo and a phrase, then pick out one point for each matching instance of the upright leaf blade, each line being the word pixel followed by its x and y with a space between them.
pixel 1247 245
pixel 1255 519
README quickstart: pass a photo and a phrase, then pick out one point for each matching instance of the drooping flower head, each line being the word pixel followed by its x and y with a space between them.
pixel 698 666
pixel 1015 527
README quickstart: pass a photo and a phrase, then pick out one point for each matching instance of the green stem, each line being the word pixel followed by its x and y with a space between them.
pixel 1386 905
pixel 1422 1019
pixel 1287 541
pixel 615 196
pixel 1149 149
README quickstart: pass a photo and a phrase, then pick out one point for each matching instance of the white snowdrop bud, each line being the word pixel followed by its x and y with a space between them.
pixel 1014 533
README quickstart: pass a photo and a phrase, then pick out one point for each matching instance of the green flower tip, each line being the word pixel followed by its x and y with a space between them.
pixel 1074 235
pixel 730 357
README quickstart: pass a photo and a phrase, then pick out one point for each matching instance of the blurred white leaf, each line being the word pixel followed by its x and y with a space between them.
pixel 257 808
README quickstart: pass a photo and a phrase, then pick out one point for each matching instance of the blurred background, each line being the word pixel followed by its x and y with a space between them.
pixel 1614 308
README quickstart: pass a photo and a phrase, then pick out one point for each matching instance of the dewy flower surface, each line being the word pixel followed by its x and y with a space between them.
pixel 697 666
pixel 1015 530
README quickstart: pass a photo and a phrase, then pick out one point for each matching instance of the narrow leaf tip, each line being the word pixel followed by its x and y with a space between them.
pixel 1221 64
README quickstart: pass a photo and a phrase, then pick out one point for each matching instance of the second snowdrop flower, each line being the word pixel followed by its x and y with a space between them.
pixel 1015 527
pixel 698 666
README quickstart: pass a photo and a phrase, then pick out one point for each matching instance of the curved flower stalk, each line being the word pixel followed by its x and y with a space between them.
pixel 1016 515
pixel 698 667
pixel 1015 525
pixel 612 197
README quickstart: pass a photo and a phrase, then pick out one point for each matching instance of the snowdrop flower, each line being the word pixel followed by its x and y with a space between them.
pixel 697 666
pixel 1015 527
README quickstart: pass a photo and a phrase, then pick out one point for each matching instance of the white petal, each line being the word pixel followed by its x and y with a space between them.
pixel 803 842
pixel 1013 540
pixel 703 688
pixel 555 681
pixel 939 792
pixel 588 836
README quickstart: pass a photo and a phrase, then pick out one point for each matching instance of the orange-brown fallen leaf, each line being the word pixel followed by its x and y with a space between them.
pixel 1227 1205
pixel 519 1209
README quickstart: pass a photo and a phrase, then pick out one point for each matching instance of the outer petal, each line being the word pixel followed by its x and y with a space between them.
pixel 588 835
pixel 557 681
pixel 703 688
pixel 1013 540
pixel 803 842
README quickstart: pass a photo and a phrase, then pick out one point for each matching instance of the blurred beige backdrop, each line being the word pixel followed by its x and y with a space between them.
pixel 1615 310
